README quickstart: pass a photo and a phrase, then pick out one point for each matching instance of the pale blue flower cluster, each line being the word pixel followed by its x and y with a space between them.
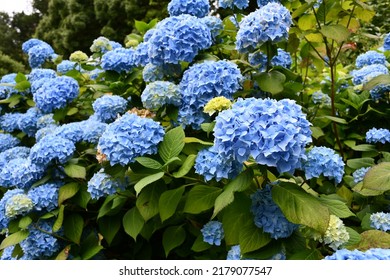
pixel 45 197
pixel 321 98
pixel 369 58
pixel 178 38
pixel 153 73
pixel 41 73
pixel 102 184
pixel 213 233
pixel 159 94
pixel 268 216
pixel 265 2
pixel 234 253
pixel 282 58
pixel 380 221
pixel 230 4
pixel 21 173
pixel 119 60
pixel 274 133
pixel 325 161
pixel 128 137
pixel 378 135
pixel 270 23
pixel 103 45
pixel 93 130
pixel 13 153
pixel 358 175
pixel 56 93
pixel 366 73
pixel 67 65
pixel 215 25
pixel 27 122
pixel 71 131
pixel 7 141
pixel 201 83
pixel 18 204
pixel 9 122
pixel 52 149
pixel 108 107
pixel 141 56
pixel 4 220
pixel 370 254
pixel 38 52
pixel 40 244
pixel 7 91
pixel 198 8
pixel 212 165
pixel 386 42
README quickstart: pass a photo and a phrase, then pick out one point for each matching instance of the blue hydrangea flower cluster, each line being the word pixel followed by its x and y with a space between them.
pixel 325 161
pixel 234 253
pixel 108 107
pixel 56 93
pixel 213 233
pixel 119 60
pixel 13 153
pixel 369 58
pixel 230 4
pixel 71 131
pixel 102 184
pixel 265 2
pixel 370 254
pixel 18 204
pixel 128 137
pixel 6 91
pixel 45 197
pixel 274 133
pixel 27 122
pixel 201 83
pixel 378 135
pixel 21 173
pixel 380 221
pixel 159 94
pixel 4 220
pixel 9 122
pixel 50 149
pixel 38 52
pixel 93 130
pixel 366 73
pixel 386 42
pixel 212 165
pixel 321 98
pixel 178 38
pixel 39 244
pixel 358 175
pixel 198 8
pixel 153 73
pixel 141 56
pixel 215 25
pixel 7 254
pixel 44 131
pixel 282 58
pixel 39 74
pixel 270 23
pixel 268 216
pixel 103 45
pixel 67 65
pixel 7 141
pixel 45 120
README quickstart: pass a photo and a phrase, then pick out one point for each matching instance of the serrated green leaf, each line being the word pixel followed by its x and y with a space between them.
pixel 299 207
pixel 75 171
pixel 335 32
pixel 172 144
pixel 149 162
pixel 73 227
pixel 109 227
pixel 336 207
pixel 252 238
pixel 169 200
pixel 147 201
pixel 186 167
pixel 201 198
pixel 67 191
pixel 147 181
pixel 173 237
pixel 60 219
pixel 14 238
pixel 377 178
pixel 133 222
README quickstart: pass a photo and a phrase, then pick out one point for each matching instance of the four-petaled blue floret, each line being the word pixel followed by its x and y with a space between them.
pixel 213 233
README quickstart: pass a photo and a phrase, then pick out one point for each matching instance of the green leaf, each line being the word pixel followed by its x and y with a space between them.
pixel 60 219
pixel 354 237
pixel 172 144
pixel 64 254
pixel 109 227
pixel 133 222
pixel 186 167
pixel 149 162
pixel 173 237
pixel 271 81
pixel 147 201
pixel 199 245
pixel 383 79
pixel 67 191
pixel 252 238
pixel 307 22
pixel 336 207
pixel 90 247
pixel 357 163
pixel 75 171
pixel 373 239
pixel 147 181
pixel 24 222
pixel 377 178
pixel 239 184
pixel 141 26
pixel 22 86
pixel 201 198
pixel 72 111
pixel 299 207
pixel 14 238
pixel 20 77
pixel 336 32
pixel 336 119
pixel 196 140
pixel 169 200
pixel 73 227
pixel 317 132
pixel 172 160
pixel 307 255
pixel 364 148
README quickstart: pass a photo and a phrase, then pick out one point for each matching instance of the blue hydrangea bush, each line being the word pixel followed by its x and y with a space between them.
pixel 231 131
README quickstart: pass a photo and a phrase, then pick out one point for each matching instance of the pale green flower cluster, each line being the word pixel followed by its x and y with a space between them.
pixel 78 56
pixel 336 234
pixel 217 104
pixel 17 205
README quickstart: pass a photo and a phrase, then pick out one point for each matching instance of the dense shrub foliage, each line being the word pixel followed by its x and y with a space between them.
pixel 244 137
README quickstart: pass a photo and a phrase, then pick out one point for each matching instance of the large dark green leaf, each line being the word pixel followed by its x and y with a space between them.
pixel 172 144
pixel 169 200
pixel 133 222
pixel 173 237
pixel 201 198
pixel 73 227
pixel 377 178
